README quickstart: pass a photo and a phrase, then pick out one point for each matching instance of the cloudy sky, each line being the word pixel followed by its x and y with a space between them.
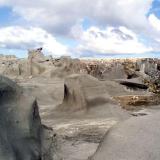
pixel 81 28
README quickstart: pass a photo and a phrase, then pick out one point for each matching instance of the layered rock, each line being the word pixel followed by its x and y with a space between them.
pixel 137 102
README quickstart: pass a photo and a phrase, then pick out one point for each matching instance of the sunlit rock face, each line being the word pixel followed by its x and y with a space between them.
pixel 147 65
pixel 134 139
pixel 21 131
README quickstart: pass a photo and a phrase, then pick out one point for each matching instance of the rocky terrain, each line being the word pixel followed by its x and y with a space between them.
pixel 22 135
pixel 91 109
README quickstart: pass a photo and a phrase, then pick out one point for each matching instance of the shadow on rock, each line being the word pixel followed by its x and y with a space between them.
pixel 22 136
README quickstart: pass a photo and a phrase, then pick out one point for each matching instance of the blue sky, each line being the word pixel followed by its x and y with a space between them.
pixel 94 28
pixel 156 8
pixel 5 16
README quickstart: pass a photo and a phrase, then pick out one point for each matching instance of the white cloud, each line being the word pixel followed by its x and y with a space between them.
pixel 111 40
pixel 64 17
pixel 60 15
pixel 15 37
pixel 154 21
pixel 155 31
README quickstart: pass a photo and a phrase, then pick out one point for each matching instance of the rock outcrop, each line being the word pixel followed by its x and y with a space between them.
pixel 65 66
pixel 38 63
pixel 117 71
pixel 22 135
pixel 81 91
pixel 104 70
pixel 134 139
pixel 9 65
pixel 137 102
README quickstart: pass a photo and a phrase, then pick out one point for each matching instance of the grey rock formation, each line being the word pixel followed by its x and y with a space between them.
pixel 147 65
pixel 81 91
pixel 134 139
pixel 9 65
pixel 65 66
pixel 38 63
pixel 115 72
pixel 21 132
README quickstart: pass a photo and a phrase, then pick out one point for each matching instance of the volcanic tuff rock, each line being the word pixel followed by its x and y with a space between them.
pixel 22 135
pixel 134 139
pixel 82 91
pixel 66 66
pixel 37 64
pixel 65 84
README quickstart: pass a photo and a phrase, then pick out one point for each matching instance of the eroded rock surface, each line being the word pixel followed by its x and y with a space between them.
pixel 21 131
pixel 134 139
pixel 82 91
